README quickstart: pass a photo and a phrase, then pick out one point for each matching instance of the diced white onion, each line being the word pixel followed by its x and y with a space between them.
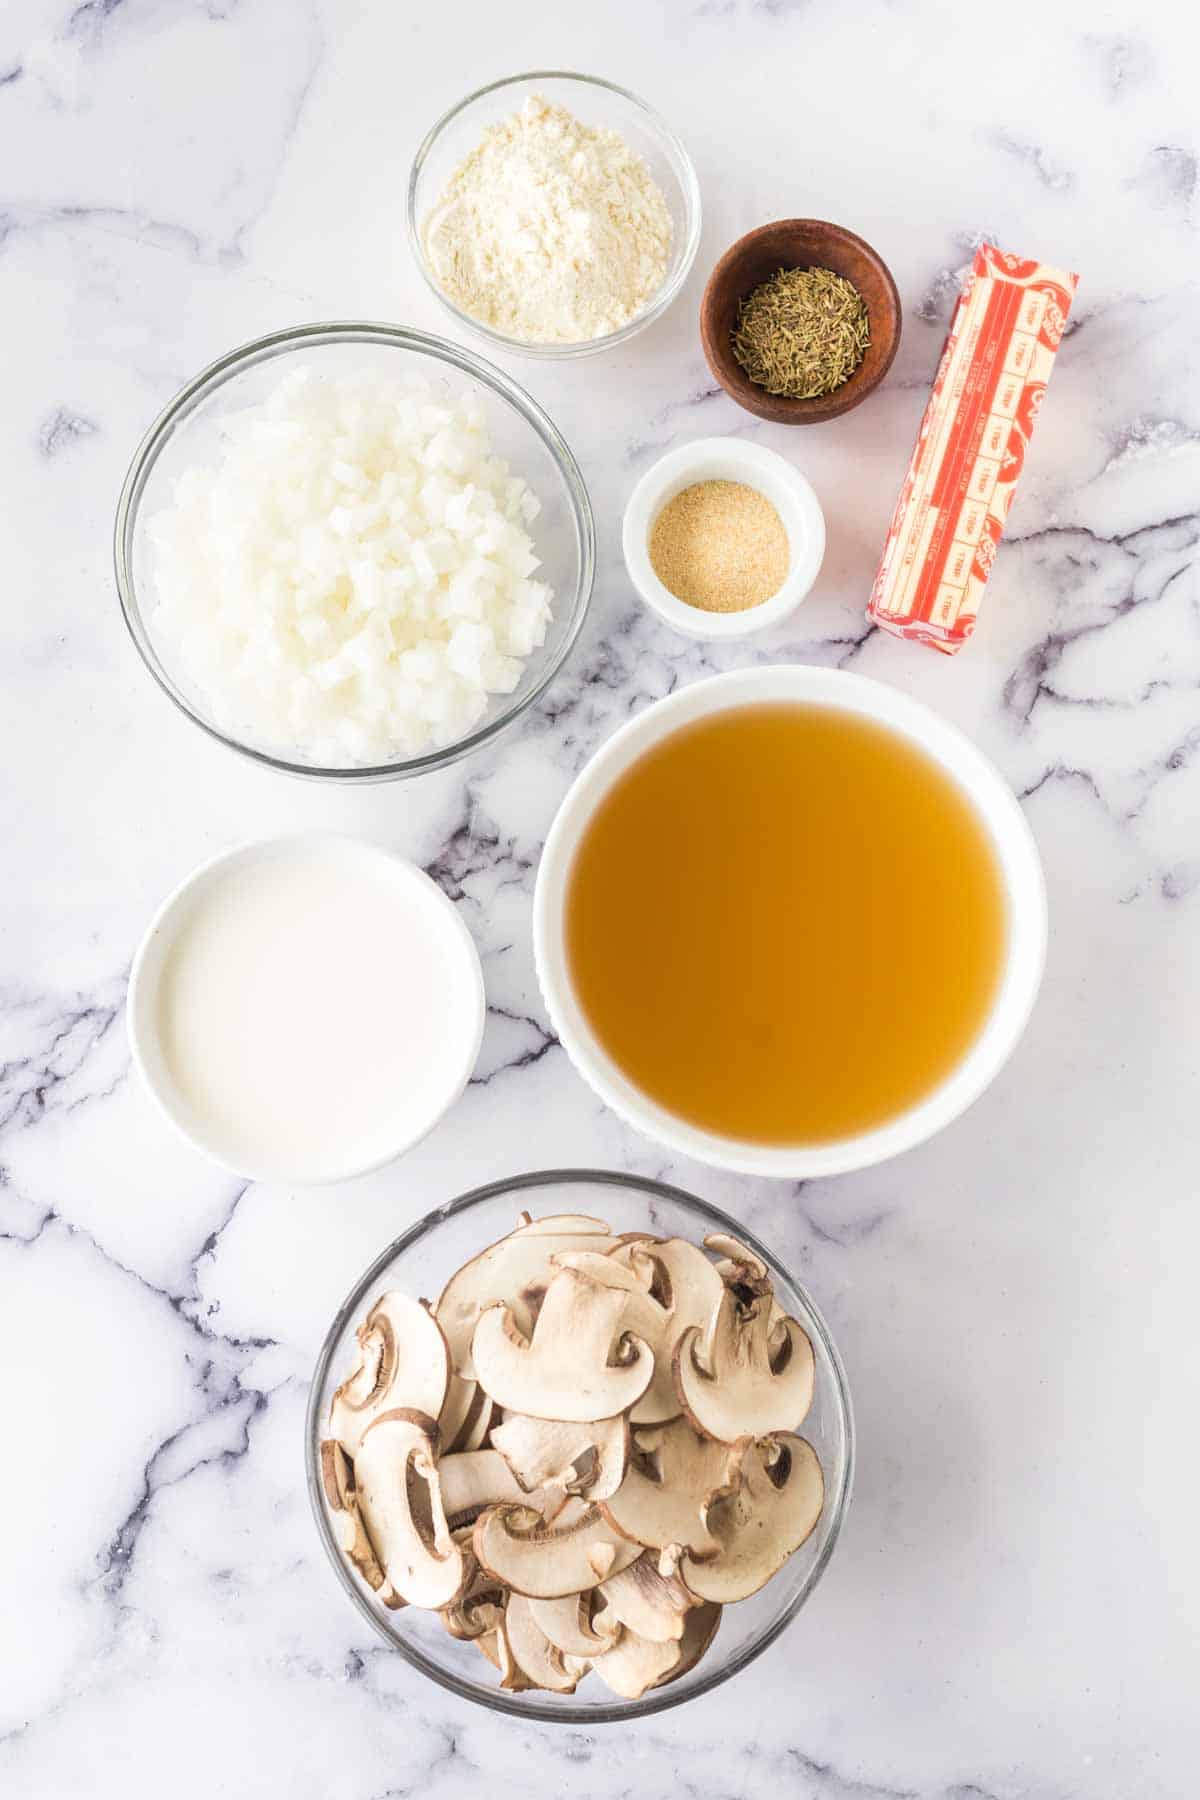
pixel 354 579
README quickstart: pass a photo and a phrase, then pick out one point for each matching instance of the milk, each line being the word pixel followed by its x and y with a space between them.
pixel 316 1005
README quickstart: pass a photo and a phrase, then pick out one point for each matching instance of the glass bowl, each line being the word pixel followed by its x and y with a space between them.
pixel 187 432
pixel 597 103
pixel 419 1263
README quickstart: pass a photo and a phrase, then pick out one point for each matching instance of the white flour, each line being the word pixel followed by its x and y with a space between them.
pixel 550 232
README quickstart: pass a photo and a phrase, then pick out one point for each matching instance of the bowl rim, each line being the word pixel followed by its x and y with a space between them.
pixel 760 468
pixel 169 915
pixel 994 805
pixel 782 409
pixel 656 1699
pixel 677 155
pixel 279 343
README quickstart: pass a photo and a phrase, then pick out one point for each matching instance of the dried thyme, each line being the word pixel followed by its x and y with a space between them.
pixel 802 333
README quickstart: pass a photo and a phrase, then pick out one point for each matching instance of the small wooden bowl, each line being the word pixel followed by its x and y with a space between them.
pixel 798 244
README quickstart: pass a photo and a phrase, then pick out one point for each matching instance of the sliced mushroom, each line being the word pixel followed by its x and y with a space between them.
pixel 636 1663
pixel 479 1608
pixel 399 1496
pixel 591 1459
pixel 739 1267
pixel 573 1555
pixel 403 1362
pixel 760 1522
pixel 462 1402
pixel 670 1285
pixel 568 1368
pixel 568 1623
pixel 473 1479
pixel 341 1498
pixel 646 1602
pixel 540 1661
pixel 733 1381
pixel 558 1224
pixel 517 1271
pixel 475 1433
pixel 699 1630
pixel 672 1474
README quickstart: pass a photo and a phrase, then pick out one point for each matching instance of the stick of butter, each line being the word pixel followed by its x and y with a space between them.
pixel 960 483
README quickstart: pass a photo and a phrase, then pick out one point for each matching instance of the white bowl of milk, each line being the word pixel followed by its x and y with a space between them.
pixel 306 1008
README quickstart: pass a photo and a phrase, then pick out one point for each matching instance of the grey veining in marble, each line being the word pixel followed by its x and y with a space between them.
pixel 1014 1610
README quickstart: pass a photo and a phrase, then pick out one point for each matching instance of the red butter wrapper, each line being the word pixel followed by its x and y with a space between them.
pixel 970 449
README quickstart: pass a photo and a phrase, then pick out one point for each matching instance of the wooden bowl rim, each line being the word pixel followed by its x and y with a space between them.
pixel 778 408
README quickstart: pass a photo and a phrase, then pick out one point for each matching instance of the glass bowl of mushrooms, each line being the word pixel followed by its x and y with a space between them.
pixel 579 1448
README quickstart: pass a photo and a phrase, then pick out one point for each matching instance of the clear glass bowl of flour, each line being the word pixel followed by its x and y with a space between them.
pixel 600 105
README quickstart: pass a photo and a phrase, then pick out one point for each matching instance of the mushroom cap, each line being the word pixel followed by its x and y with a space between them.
pixel 672 1474
pixel 400 1500
pixel 761 1521
pixel 571 1556
pixel 568 1368
pixel 564 1453
pixel 745 1375
pixel 404 1361
pixel 516 1270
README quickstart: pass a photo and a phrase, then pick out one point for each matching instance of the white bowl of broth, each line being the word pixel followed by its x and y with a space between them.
pixel 789 922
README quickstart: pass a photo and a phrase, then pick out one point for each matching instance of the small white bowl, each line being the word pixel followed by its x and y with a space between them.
pixel 997 810
pixel 416 896
pixel 725 459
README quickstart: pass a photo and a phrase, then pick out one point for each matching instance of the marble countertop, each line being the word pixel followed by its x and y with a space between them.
pixel 1012 1613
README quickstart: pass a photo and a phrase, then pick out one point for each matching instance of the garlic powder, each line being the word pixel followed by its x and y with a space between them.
pixel 550 232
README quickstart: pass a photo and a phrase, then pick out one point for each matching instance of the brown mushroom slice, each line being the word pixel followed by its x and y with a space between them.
pixel 739 1267
pixel 539 1660
pixel 671 1285
pixel 556 1224
pixel 473 1479
pixel 517 1271
pixel 399 1496
pixel 672 1474
pixel 341 1498
pixel 734 1380
pixel 403 1362
pixel 563 1453
pixel 578 1365
pixel 568 1623
pixel 479 1608
pixel 699 1630
pixel 477 1430
pixel 636 1663
pixel 646 1602
pixel 459 1409
pixel 571 1556
pixel 761 1522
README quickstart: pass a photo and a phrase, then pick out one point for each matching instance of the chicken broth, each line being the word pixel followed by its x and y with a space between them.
pixel 756 924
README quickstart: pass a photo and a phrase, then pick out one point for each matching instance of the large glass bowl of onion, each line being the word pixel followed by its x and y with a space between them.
pixel 190 433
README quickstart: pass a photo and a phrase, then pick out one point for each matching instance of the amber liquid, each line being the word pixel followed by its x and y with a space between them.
pixel 785 924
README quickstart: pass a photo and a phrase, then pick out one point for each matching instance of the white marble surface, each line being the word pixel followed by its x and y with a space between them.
pixel 1013 1610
